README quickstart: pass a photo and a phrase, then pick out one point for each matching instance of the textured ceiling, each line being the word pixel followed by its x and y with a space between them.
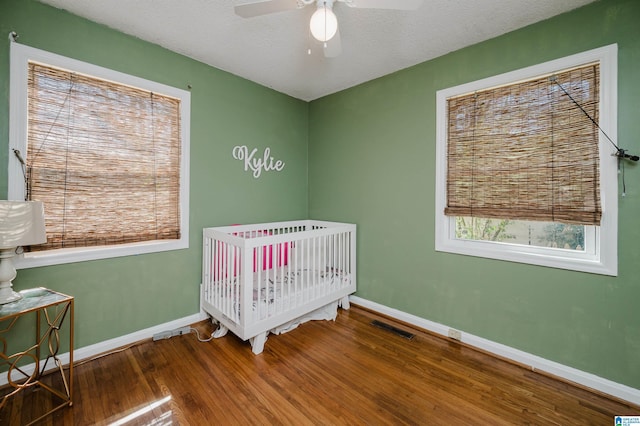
pixel 272 49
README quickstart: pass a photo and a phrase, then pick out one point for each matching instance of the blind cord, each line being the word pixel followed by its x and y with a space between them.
pixel 624 186
pixel 620 153
pixel 18 155
pixel 64 105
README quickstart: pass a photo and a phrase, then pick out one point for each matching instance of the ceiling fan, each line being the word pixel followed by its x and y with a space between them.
pixel 324 23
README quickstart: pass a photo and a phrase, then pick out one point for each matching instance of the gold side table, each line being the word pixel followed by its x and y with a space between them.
pixel 51 309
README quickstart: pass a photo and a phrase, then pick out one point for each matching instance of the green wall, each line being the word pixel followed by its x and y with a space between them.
pixel 378 141
pixel 370 154
pixel 118 296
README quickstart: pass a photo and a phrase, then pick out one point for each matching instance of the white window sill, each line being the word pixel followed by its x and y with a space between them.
pixel 81 254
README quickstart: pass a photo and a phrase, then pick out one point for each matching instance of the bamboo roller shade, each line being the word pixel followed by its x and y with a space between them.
pixel 526 151
pixel 104 158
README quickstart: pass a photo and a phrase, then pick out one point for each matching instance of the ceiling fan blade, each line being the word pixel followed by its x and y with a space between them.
pixel 385 4
pixel 249 10
pixel 334 46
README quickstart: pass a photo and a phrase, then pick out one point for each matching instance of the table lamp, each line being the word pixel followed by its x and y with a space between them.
pixel 21 224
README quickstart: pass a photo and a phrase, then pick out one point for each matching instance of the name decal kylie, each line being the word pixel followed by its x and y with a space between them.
pixel 257 164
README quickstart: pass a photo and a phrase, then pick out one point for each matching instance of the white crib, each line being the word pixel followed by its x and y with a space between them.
pixel 269 278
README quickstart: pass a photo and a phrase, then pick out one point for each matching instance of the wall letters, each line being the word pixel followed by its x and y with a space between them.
pixel 257 165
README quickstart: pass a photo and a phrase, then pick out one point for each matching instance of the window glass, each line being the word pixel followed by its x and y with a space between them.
pixel 523 174
pixel 522 232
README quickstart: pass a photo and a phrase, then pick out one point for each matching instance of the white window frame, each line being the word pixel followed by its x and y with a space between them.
pixel 21 55
pixel 601 242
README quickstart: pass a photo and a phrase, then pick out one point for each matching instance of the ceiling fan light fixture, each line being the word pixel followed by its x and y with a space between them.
pixel 323 24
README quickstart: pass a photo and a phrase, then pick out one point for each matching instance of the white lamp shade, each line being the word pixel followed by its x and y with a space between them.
pixel 21 223
pixel 323 24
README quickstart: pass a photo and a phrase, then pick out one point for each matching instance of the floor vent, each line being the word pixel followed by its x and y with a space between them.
pixel 393 329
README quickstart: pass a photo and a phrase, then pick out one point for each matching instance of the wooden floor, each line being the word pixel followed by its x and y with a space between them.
pixel 322 373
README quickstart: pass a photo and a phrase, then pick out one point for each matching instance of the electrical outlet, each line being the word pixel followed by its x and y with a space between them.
pixel 455 334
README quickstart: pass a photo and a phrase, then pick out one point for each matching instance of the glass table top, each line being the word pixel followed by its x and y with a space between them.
pixel 33 298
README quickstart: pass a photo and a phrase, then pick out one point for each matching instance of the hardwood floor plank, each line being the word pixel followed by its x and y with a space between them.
pixel 322 373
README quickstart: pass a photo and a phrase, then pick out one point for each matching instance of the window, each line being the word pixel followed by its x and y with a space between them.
pixel 106 152
pixel 523 174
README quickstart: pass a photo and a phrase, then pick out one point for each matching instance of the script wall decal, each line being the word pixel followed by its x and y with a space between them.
pixel 257 164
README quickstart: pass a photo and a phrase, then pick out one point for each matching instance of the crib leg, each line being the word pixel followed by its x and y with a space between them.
pixel 257 343
pixel 344 302
pixel 220 331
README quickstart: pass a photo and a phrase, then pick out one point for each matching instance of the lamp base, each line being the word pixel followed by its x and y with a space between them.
pixel 7 274
pixel 9 296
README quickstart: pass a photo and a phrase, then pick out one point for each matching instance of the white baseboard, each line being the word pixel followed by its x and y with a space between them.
pixel 533 361
pixel 111 344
